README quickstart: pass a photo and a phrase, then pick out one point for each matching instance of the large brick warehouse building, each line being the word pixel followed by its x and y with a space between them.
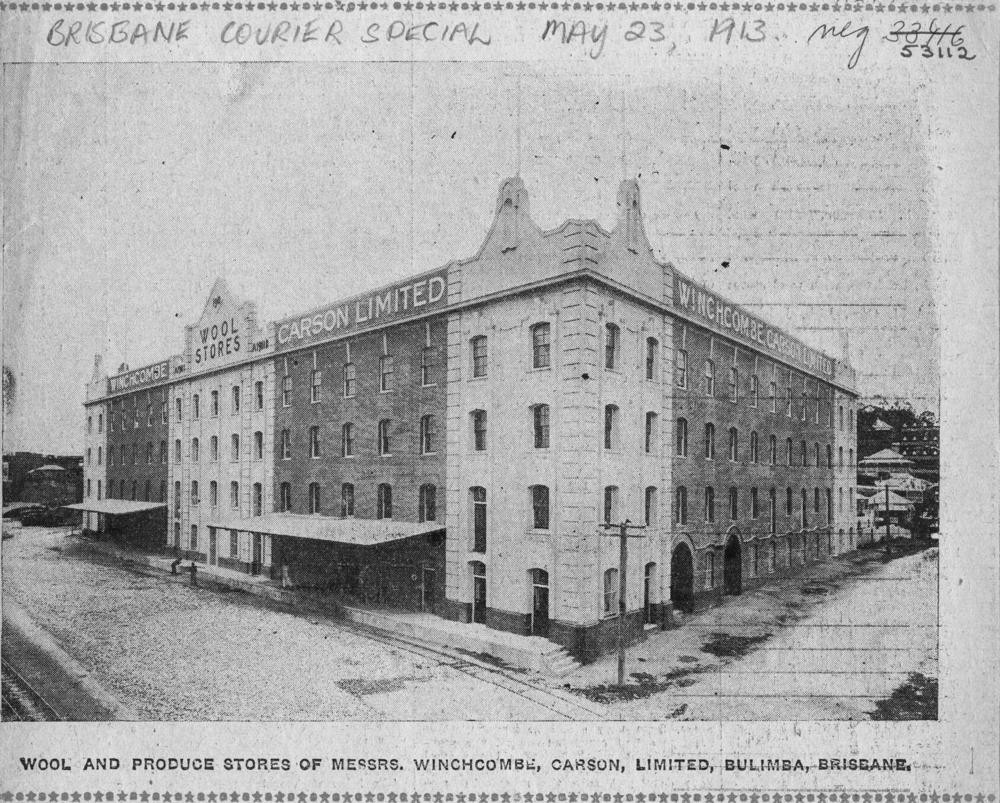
pixel 454 442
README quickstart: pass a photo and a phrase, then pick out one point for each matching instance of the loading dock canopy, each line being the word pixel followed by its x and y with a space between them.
pixel 116 507
pixel 361 532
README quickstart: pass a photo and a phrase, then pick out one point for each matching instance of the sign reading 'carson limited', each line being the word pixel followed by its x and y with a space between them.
pixel 733 320
pixel 363 312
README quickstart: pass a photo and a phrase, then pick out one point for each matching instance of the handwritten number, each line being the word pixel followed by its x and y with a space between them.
pixel 658 35
pixel 963 54
pixel 636 31
pixel 906 51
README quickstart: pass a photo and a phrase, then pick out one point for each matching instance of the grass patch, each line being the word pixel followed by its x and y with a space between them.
pixel 646 686
pixel 915 699
pixel 726 645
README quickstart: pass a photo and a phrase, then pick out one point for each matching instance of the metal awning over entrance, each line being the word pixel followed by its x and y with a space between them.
pixel 116 507
pixel 360 532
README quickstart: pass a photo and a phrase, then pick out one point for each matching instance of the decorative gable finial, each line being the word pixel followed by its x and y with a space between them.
pixel 512 203
pixel 630 216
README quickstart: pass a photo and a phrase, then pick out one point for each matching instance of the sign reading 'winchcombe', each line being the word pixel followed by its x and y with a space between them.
pixel 138 378
pixel 363 312
pixel 737 322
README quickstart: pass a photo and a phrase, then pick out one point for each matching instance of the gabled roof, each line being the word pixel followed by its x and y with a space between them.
pixel 881 426
pixel 886 456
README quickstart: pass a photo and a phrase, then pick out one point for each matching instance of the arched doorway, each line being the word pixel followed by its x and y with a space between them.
pixel 682 578
pixel 478 591
pixel 733 570
pixel 649 593
pixel 539 602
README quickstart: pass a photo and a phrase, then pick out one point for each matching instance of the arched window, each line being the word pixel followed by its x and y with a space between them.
pixel 650 508
pixel 611 514
pixel 286 444
pixel 612 340
pixel 772 450
pixel 734 504
pixel 314 449
pixel 215 402
pixel 682 437
pixel 258 499
pixel 816 496
pixel 194 537
pixel 234 495
pixel 163 451
pixel 788 501
pixel 149 490
pixel 384 445
pixel 213 450
pixel 805 504
pixel 773 393
pixel 829 456
pixel 840 410
pixel 258 445
pixel 709 441
pixel 234 450
pixel 427 434
pixel 478 348
pixel 772 511
pixel 734 384
pixel 804 453
pixel 177 452
pixel 195 450
pixel 708 383
pixel 817 461
pixel 347 499
pixel 540 345
pixel 788 451
pixel 478 421
pixel 236 399
pixel 681 505
pixel 347 440
pixel 754 392
pixel 804 407
pixel 286 496
pixel 681 368
pixel 350 380
pixel 384 502
pixel 829 506
pixel 611 426
pixel 477 499
pixel 539 507
pixel 149 453
pixel 652 357
pixel 428 503
pixel 709 504
pixel 194 492
pixel 540 425
pixel 611 592
pixel 733 444
pixel 650 433
pixel 177 408
pixel 850 457
pixel 213 493
pixel 754 455
pixel 840 501
pixel 314 501
pixel 754 504
pixel 840 457
pixel 195 407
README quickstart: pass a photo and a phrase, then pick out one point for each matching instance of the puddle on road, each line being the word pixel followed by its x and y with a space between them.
pixel 727 645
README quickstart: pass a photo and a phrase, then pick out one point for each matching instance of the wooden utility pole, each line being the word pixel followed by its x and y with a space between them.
pixel 623 537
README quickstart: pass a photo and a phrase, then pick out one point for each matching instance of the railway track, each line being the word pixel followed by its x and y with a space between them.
pixel 20 701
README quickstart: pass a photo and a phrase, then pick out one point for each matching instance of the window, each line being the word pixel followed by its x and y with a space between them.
pixel 850 420
pixel 213 493
pixel 805 517
pixel 682 437
pixel 479 356
pixel 610 426
pixel 90 424
pixel 829 456
pixel 709 504
pixel 850 457
pixel 540 507
pixel 234 447
pixel 840 457
pixel 347 499
pixel 215 402
pixel 540 345
pixel 804 453
pixel 98 490
pixel 681 369
pixel 788 501
pixel 681 505
pixel 286 391
pixel 314 442
pixel 829 506
pixel 236 399
pixel 540 424
pixel 479 430
pixel 816 456
pixel 135 453
pixel 754 504
pixel 652 357
pixel 135 490
pixel 163 451
pixel 384 446
pixel 258 499
pixel 734 504
pixel 386 373
pixel 258 445
pixel 816 408
pixel 650 505
pixel 347 440
pixel 89 489
pixel 88 456
pixel 804 407
pixel 234 495
pixel 840 500
pixel 788 451
pixel 195 406
pixel 650 432
pixel 734 387
pixel 428 362
pixel 611 592
pixel 214 448
pixel 194 492
pixel 788 397
pixel 316 387
pixel 841 415
pixel 100 423
pixel 427 434
pixel 612 339
pixel 195 450
pixel 773 391
pixel 350 380
pixel 384 509
pixel 709 441
pixel 478 498
pixel 149 454
pixel 427 510
pixel 753 391
pixel 611 504
pixel 149 414
pixel 816 497
pixel 772 510
pixel 314 497
pixel 177 406
pixel 708 383
pixel 734 439
pixel 286 444
pixel 194 537
pixel 754 450
pixel 121 489
pixel 177 451
pixel 234 543
pixel 258 392
pixel 286 497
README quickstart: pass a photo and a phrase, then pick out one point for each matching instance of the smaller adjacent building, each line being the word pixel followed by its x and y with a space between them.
pixel 883 464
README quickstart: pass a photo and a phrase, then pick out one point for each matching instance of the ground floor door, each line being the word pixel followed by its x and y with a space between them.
pixel 648 592
pixel 257 559
pixel 212 548
pixel 733 573
pixel 682 578
pixel 540 603
pixel 427 589
pixel 479 598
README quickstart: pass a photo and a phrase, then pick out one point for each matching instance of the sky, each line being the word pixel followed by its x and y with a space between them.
pixel 130 188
